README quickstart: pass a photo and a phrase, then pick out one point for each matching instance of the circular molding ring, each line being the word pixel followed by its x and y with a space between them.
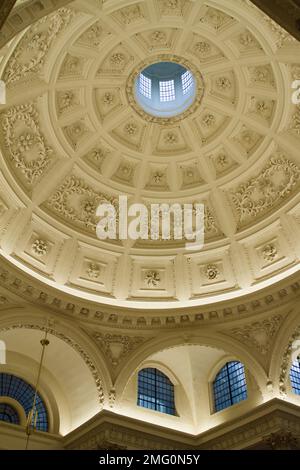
pixel 199 93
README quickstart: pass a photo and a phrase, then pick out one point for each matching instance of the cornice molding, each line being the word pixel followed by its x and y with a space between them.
pixel 274 417
pixel 17 286
pixel 237 154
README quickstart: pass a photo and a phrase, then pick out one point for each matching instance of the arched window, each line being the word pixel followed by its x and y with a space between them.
pixel 16 388
pixel 295 376
pixel 230 385
pixel 9 414
pixel 156 391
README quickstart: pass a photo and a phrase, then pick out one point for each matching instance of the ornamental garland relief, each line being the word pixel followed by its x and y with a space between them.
pixel 25 142
pixel 29 56
pixel 259 334
pixel 277 180
pixel 76 201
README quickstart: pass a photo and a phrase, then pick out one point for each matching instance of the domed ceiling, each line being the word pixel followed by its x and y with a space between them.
pixel 72 136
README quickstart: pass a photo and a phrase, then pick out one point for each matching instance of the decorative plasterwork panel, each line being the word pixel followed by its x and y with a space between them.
pixel 94 270
pixel 29 57
pixel 72 136
pixel 153 277
pixel 77 201
pixel 270 251
pixel 259 334
pixel 276 181
pixel 24 141
pixel 15 284
pixel 39 246
pixel 117 346
pixel 207 274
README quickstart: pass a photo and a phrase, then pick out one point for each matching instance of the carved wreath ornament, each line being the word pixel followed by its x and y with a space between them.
pixel 274 183
pixel 29 56
pixel 65 201
pixel 27 147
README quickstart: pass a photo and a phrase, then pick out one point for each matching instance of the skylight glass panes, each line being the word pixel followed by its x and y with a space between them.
pixel 167 91
pixel 145 86
pixel 187 82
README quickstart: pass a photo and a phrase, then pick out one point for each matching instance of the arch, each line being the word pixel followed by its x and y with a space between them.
pixel 76 338
pixel 16 405
pixel 23 392
pixel 67 414
pixel 163 368
pixel 9 414
pixel 26 367
pixel 286 348
pixel 127 403
pixel 230 346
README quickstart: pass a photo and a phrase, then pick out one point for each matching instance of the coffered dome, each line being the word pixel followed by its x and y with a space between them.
pixel 74 134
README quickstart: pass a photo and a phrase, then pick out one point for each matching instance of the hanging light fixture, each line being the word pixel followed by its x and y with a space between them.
pixel 33 413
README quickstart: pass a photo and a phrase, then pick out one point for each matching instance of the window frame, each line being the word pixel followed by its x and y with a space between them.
pixel 16 411
pixel 145 86
pixel 216 370
pixel 294 393
pixel 45 423
pixel 187 82
pixel 167 92
pixel 169 377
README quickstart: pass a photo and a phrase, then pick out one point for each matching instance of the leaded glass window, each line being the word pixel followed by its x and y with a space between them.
pixel 230 385
pixel 9 414
pixel 23 393
pixel 295 376
pixel 156 391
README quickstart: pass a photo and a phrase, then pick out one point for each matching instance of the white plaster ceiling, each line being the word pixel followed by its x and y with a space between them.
pixel 71 136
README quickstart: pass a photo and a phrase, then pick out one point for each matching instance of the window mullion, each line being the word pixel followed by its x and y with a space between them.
pixel 229 382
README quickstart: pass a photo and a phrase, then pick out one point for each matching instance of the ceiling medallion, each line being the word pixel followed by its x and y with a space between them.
pixel 131 87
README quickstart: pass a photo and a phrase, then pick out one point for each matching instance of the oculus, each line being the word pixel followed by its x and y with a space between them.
pixel 165 89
